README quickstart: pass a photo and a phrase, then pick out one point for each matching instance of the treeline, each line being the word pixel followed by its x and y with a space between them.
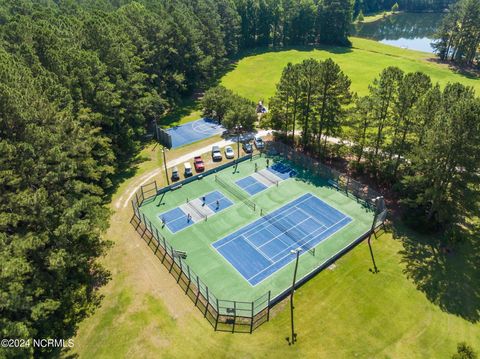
pixel 458 37
pixel 294 22
pixel 79 83
pixel 407 133
pixel 372 6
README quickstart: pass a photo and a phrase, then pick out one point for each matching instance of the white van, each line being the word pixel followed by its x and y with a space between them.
pixel 188 169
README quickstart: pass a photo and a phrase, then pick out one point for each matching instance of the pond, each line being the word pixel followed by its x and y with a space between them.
pixel 406 30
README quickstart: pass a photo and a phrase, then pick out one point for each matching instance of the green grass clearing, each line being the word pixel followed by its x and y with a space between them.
pixel 256 75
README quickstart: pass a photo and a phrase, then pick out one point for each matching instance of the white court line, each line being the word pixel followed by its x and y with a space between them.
pixel 264 255
pixel 284 232
pixel 186 214
pixel 205 129
pixel 322 228
pixel 277 236
pixel 307 214
pixel 262 222
pixel 251 184
pixel 263 270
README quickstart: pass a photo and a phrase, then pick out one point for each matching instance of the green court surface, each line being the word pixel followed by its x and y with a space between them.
pixel 221 277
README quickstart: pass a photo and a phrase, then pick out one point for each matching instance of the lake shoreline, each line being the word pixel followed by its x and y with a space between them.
pixel 407 30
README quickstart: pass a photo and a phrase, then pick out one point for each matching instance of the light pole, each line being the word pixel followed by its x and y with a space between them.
pixel 238 128
pixel 297 253
pixel 164 150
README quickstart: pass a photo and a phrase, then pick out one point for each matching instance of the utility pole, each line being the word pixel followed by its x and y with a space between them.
pixel 297 253
pixel 164 150
pixel 238 128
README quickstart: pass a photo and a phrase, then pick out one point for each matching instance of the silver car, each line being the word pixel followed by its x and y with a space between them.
pixel 216 154
pixel 229 154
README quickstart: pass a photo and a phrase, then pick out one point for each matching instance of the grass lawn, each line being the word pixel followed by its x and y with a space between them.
pixel 419 305
pixel 377 16
pixel 255 76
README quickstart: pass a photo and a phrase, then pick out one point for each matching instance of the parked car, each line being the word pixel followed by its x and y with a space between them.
pixel 198 163
pixel 188 169
pixel 216 154
pixel 259 144
pixel 229 152
pixel 175 176
pixel 247 147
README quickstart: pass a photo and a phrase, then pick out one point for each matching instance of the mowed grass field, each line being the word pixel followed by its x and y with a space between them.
pixel 420 305
pixel 256 75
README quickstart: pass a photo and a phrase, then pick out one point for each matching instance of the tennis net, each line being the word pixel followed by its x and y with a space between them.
pixel 301 243
pixel 264 175
pixel 196 209
pixel 236 192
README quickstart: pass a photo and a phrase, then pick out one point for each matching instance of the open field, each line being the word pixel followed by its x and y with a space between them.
pixel 420 305
pixel 255 76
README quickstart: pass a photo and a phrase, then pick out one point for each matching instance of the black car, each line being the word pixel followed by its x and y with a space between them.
pixel 247 147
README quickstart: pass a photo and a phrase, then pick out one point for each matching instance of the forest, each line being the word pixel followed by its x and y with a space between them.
pixel 80 81
pixel 458 37
pixel 411 136
pixel 372 6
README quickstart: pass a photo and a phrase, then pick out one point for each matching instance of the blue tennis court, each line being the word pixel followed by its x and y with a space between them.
pixel 263 247
pixel 194 131
pixel 177 219
pixel 212 198
pixel 250 185
pixel 281 170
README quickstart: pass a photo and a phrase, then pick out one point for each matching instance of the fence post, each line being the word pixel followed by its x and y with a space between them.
pixel 268 306
pixel 198 291
pixel 173 262
pixel 165 250
pixel 181 270
pixel 234 315
pixel 251 322
pixel 189 279
pixel 218 316
pixel 208 302
pixel 145 225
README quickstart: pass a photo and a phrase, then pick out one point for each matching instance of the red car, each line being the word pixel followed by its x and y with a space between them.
pixel 199 165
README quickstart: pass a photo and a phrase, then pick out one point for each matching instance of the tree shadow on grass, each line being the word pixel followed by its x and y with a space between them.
pixel 126 169
pixel 449 276
pixel 264 50
pixel 186 107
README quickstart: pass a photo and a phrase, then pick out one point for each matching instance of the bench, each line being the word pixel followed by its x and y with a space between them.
pixel 333 183
pixel 177 186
